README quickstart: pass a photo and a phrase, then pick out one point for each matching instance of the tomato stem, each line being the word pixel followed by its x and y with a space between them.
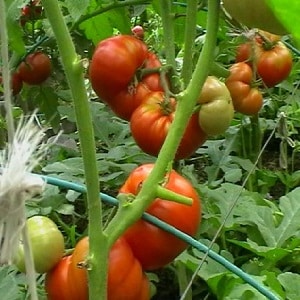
pixel 190 33
pixel 74 73
pixel 166 194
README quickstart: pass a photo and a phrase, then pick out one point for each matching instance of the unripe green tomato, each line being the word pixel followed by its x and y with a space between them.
pixel 216 110
pixel 215 117
pixel 254 14
pixel 47 243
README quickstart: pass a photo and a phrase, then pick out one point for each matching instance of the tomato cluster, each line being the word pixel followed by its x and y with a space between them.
pixel 262 61
pixel 125 75
pixel 142 247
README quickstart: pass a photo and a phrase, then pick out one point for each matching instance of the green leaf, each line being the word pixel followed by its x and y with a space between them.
pixel 290 282
pixel 14 30
pixel 8 284
pixel 76 8
pixel 288 13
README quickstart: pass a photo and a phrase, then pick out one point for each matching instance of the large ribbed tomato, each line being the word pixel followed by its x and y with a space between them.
pixel 152 246
pixel 272 61
pixel 114 64
pixel 151 121
pixel 126 280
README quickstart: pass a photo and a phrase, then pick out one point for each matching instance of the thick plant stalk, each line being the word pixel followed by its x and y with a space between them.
pixel 126 215
pixel 74 73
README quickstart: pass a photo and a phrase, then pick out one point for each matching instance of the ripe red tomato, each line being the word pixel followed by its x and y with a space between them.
pixel 36 68
pixel 273 62
pixel 154 247
pixel 246 99
pixel 126 280
pixel 16 83
pixel 56 281
pixel 150 124
pixel 114 64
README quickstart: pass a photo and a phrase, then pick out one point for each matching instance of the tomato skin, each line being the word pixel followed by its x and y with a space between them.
pixel 47 244
pixel 246 100
pixel 114 64
pixel 56 281
pixel 150 124
pixel 35 69
pixel 254 14
pixel 128 100
pixel 125 275
pixel 273 65
pixel 152 246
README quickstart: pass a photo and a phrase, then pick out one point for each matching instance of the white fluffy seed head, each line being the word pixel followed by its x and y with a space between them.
pixel 17 184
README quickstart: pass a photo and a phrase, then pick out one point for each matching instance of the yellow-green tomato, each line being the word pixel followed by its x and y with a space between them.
pixel 254 14
pixel 216 107
pixel 47 243
pixel 215 117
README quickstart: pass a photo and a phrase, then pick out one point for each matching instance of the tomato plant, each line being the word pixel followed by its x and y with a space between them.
pixel 126 279
pixel 254 14
pixel 114 64
pixel 272 61
pixel 47 243
pixel 150 123
pixel 246 99
pixel 153 247
pixel 36 68
pixel 216 108
pixel 32 11
pixel 56 281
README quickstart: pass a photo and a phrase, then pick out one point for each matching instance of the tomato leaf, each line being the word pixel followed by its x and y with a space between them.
pixel 76 7
pixel 8 284
pixel 290 282
pixel 288 15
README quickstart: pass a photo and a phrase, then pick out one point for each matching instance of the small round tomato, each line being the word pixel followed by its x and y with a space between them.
pixel 216 108
pixel 273 62
pixel 35 69
pixel 56 281
pixel 150 124
pixel 16 83
pixel 47 243
pixel 114 64
pixel 254 14
pixel 246 99
pixel 31 11
pixel 152 246
pixel 126 280
pixel 138 32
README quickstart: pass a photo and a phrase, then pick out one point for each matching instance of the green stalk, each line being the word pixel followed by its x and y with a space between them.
pixel 190 33
pixel 167 18
pixel 127 215
pixel 74 73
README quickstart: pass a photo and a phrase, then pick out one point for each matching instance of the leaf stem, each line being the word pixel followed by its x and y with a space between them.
pixel 74 73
